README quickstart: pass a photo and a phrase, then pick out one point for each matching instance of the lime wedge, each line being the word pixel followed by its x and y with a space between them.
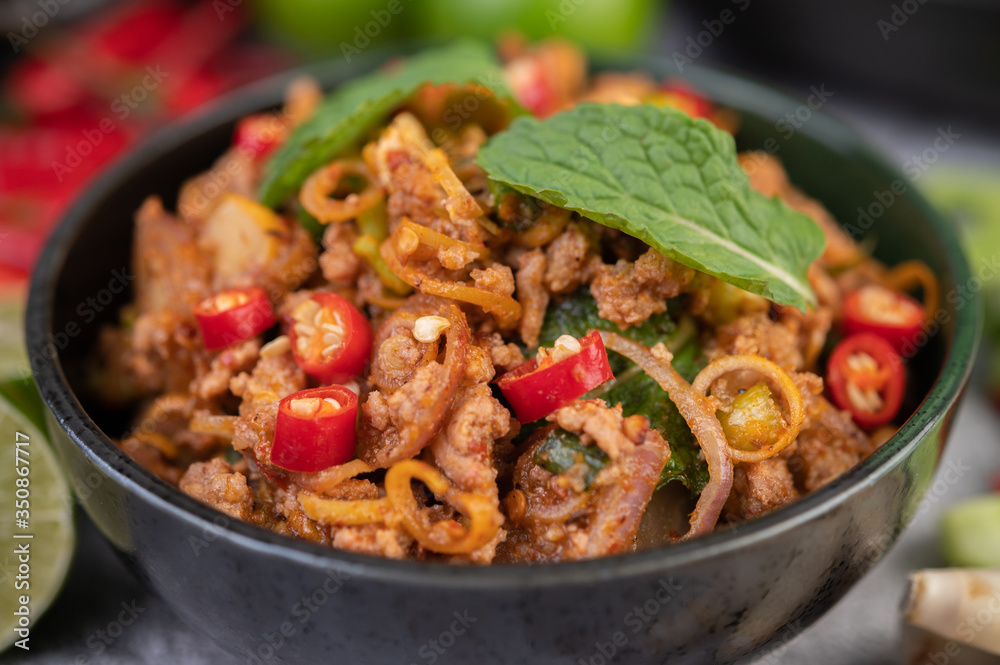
pixel 970 533
pixel 36 546
pixel 13 357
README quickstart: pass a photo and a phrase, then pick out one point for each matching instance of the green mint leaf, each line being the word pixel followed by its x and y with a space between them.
pixel 667 179
pixel 576 315
pixel 347 113
pixel 561 450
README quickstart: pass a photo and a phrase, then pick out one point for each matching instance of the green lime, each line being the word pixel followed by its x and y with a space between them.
pixel 13 357
pixel 970 533
pixel 37 544
pixel 597 25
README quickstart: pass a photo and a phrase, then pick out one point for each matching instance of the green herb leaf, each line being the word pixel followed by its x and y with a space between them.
pixel 346 114
pixel 637 392
pixel 561 450
pixel 667 179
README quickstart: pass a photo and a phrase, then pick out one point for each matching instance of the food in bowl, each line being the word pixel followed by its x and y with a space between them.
pixel 482 313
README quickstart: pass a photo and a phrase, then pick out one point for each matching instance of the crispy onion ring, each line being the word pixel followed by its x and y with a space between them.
pixel 781 380
pixel 461 206
pixel 317 191
pixel 445 536
pixel 700 417
pixel 910 274
pixel 326 480
pixel 505 309
pixel 333 512
pixel 402 440
pixel 456 254
pixel 216 425
pixel 388 371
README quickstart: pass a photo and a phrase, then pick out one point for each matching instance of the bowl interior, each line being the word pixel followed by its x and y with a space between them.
pixel 74 289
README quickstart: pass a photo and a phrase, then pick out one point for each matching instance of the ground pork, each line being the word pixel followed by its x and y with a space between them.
pixel 555 517
pixel 532 295
pixel 567 264
pixel 338 262
pixel 628 293
pixel 760 487
pixel 228 363
pixel 215 484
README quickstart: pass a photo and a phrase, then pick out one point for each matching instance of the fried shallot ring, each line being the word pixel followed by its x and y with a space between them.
pixel 505 309
pixel 410 236
pixel 786 387
pixel 700 417
pixel 461 206
pixel 333 512
pixel 326 480
pixel 317 192
pixel 426 408
pixel 909 274
pixel 217 425
pixel 445 536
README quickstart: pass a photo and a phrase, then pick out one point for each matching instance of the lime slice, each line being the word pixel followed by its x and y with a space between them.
pixel 13 357
pixel 46 532
pixel 970 533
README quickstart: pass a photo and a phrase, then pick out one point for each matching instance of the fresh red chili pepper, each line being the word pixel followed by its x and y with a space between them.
pixel 331 339
pixel 257 135
pixel 535 389
pixel 233 315
pixel 687 98
pixel 866 377
pixel 895 317
pixel 315 429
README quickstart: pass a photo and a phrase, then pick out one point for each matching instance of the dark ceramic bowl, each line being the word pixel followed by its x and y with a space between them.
pixel 722 598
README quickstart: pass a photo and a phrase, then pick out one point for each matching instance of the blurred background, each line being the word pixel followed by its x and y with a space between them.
pixel 81 81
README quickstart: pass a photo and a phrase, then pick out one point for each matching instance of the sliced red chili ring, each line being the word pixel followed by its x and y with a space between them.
pixel 866 377
pixel 233 315
pixel 895 317
pixel 331 339
pixel 315 429
pixel 537 388
pixel 257 135
pixel 686 98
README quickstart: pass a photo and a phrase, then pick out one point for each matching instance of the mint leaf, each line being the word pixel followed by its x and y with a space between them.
pixel 561 450
pixel 667 179
pixel 638 393
pixel 576 315
pixel 352 109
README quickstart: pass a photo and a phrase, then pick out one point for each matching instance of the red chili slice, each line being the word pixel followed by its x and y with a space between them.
pixel 687 98
pixel 315 429
pixel 866 376
pixel 257 135
pixel 895 317
pixel 536 389
pixel 331 339
pixel 233 315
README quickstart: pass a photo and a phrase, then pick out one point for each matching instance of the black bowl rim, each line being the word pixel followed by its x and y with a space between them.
pixel 74 421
